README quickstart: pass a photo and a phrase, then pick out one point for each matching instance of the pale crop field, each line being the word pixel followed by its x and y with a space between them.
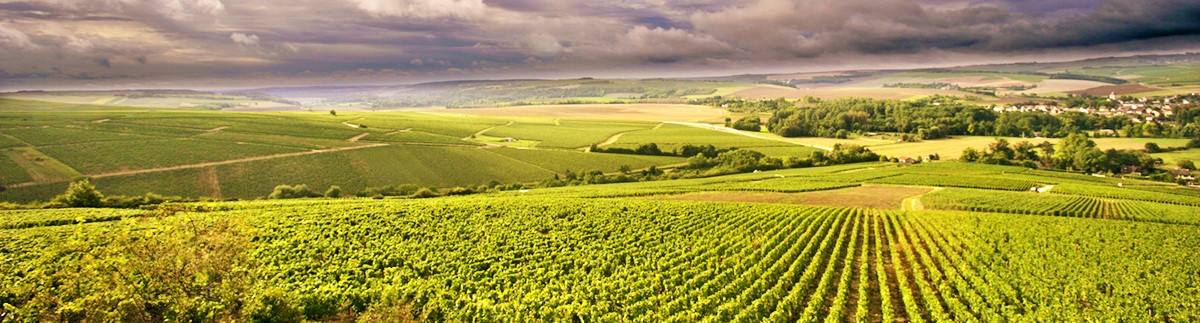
pixel 650 112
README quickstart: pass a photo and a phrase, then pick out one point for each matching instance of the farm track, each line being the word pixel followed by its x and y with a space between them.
pixel 356 138
pixel 617 136
pixel 485 130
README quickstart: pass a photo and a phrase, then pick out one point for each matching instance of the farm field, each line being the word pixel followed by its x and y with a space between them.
pixel 158 99
pixel 648 112
pixel 775 91
pixel 671 136
pixel 580 252
pixel 952 148
pixel 1171 158
pixel 197 153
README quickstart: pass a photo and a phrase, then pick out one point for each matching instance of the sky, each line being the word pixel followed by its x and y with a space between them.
pixel 62 44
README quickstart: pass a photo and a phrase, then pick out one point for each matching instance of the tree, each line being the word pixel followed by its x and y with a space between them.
pixel 333 192
pixel 1184 163
pixel 333 112
pixel 1152 147
pixel 80 193
pixel 1074 152
pixel 648 149
pixel 748 123
pixel 625 169
pixel 969 155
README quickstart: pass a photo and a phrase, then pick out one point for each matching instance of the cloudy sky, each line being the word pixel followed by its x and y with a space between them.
pixel 246 43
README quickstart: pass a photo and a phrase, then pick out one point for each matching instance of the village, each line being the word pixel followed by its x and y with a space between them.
pixel 1144 109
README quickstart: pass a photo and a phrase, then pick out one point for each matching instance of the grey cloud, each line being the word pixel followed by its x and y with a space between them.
pixel 419 39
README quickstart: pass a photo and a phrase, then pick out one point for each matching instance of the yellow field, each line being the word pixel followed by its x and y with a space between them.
pixel 1057 87
pixel 632 112
pixel 776 91
pixel 952 148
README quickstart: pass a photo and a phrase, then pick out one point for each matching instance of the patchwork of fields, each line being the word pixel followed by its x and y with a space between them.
pixel 132 151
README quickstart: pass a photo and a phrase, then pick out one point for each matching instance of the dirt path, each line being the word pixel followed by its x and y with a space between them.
pixel 356 138
pixel 217 129
pixel 233 161
pixel 398 131
pixel 485 130
pixel 611 140
pixel 913 203
pixel 743 133
pixel 101 121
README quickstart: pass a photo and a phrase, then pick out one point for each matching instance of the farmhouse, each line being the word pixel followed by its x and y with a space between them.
pixel 1183 174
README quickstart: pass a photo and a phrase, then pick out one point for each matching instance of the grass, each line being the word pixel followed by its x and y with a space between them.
pixel 1171 158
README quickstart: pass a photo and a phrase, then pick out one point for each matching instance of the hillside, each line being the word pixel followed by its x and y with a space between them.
pixel 950 241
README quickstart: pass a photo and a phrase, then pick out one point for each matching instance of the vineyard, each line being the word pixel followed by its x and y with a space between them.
pixel 874 241
pixel 457 259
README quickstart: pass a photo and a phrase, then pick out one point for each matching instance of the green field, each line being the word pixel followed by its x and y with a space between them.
pixel 586 253
pixel 199 153
pixel 1171 158
pixel 672 136
pixel 566 133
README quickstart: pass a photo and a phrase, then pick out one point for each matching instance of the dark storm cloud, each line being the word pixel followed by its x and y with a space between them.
pixel 399 40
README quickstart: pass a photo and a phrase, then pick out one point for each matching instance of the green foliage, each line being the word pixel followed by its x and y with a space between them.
pixel 748 123
pixel 425 192
pixel 293 192
pixel 333 192
pixel 80 193
pixel 930 121
pixel 1185 164
pixel 186 269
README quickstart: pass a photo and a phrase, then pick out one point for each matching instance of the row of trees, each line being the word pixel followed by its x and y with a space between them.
pixel 730 161
pixel 940 117
pixel 829 118
pixel 652 149
pixel 1076 152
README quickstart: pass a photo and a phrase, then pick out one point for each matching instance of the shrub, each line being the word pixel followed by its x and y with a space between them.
pixel 391 190
pixel 333 192
pixel 292 192
pixel 80 193
pixel 425 192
